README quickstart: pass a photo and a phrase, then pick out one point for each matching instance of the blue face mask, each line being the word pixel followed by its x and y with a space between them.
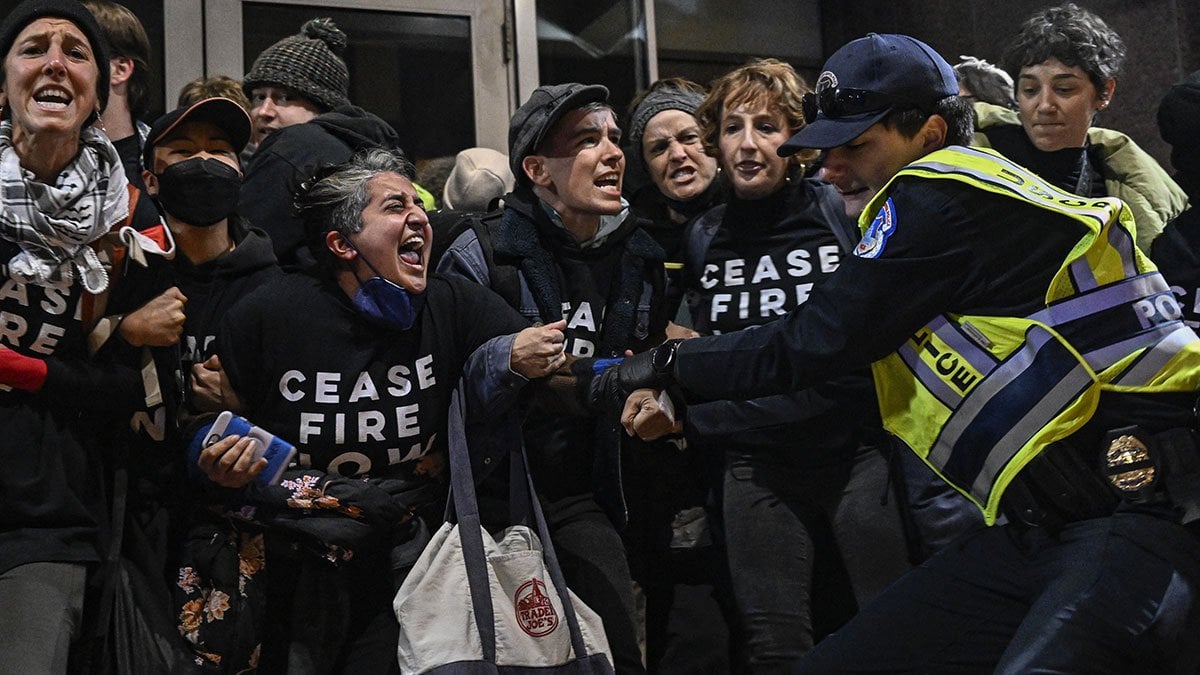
pixel 384 302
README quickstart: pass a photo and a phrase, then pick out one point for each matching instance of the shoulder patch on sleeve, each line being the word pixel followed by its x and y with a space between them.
pixel 875 239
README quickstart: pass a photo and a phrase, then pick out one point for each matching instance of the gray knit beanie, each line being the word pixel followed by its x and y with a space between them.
pixel 658 100
pixel 309 64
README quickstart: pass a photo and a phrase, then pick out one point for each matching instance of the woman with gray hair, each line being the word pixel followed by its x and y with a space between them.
pixel 354 364
pixel 1065 60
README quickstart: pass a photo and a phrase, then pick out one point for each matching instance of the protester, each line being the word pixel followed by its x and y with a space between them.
pixel 55 83
pixel 1039 417
pixel 565 246
pixel 979 80
pixel 682 181
pixel 1065 61
pixel 298 90
pixel 194 174
pixel 810 525
pixel 370 332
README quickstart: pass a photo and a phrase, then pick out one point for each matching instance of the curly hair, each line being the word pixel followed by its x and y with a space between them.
pixel 1072 35
pixel 769 83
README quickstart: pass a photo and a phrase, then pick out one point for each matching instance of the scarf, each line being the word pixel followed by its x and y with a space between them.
pixel 54 224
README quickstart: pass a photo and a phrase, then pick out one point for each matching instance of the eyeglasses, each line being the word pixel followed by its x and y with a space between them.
pixel 837 102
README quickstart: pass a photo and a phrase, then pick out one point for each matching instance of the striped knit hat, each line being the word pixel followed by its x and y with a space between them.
pixel 309 64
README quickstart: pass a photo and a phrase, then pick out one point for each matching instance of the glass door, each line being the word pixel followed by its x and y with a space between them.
pixel 436 70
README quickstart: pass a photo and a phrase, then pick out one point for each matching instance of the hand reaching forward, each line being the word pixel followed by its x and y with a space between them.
pixel 644 417
pixel 539 350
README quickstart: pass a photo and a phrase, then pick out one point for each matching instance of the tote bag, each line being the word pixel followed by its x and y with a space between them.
pixel 477 604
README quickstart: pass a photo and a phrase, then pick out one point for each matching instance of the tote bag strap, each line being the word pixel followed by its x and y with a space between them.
pixel 517 457
pixel 470 531
pixel 462 489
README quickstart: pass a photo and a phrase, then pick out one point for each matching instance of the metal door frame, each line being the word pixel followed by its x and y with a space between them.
pixel 205 37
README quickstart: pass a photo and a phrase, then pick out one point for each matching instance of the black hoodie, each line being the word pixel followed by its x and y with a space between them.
pixel 331 138
pixel 212 287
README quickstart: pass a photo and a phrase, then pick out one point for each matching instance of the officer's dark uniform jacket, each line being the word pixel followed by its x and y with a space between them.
pixel 1005 316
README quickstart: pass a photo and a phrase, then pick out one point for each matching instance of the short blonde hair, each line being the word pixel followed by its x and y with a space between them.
pixel 770 83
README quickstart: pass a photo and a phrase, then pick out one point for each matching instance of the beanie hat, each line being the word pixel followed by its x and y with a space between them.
pixel 31 10
pixel 658 100
pixel 1179 122
pixel 309 64
pixel 479 176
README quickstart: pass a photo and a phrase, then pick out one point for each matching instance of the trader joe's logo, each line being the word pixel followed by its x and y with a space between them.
pixel 535 612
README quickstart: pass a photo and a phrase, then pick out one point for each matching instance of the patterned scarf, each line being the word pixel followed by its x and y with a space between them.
pixel 53 224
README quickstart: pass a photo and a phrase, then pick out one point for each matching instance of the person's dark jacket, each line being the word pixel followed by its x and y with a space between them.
pixel 626 269
pixel 281 160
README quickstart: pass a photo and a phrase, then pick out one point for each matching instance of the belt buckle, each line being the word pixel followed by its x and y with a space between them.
pixel 1130 465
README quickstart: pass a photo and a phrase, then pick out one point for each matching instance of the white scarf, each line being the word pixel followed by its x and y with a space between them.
pixel 54 224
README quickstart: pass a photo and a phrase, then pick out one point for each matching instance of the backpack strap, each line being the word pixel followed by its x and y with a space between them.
pixel 696 241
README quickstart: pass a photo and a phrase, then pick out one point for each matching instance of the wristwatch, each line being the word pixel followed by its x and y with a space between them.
pixel 664 357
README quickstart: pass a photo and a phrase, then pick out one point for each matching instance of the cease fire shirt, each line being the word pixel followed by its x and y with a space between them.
pixel 355 398
pixel 763 261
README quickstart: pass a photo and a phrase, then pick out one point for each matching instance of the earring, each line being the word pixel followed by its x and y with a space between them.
pixel 99 123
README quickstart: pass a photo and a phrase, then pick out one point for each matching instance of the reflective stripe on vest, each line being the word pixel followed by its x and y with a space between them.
pixel 987 394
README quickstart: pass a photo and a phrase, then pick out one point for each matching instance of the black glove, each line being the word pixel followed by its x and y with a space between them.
pixel 653 368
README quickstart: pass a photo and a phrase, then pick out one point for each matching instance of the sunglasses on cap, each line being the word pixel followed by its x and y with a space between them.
pixel 838 102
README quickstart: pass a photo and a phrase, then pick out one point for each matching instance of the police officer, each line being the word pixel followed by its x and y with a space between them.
pixel 1023 348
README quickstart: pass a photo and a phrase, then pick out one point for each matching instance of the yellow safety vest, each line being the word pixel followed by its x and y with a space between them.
pixel 978 397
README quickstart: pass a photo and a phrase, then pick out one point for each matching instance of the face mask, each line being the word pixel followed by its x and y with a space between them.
pixel 384 302
pixel 199 191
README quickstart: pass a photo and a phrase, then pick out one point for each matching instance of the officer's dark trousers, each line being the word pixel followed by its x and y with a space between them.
pixel 1110 595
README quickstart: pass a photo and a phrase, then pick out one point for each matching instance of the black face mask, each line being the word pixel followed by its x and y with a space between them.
pixel 199 191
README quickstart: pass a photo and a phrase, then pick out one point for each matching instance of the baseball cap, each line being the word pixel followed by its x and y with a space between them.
pixel 537 116
pixel 864 81
pixel 223 113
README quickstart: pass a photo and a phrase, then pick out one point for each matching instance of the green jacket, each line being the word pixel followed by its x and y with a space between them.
pixel 1129 173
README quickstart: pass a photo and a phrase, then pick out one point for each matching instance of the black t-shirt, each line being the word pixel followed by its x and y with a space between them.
pixel 355 398
pixel 50 482
pixel 763 261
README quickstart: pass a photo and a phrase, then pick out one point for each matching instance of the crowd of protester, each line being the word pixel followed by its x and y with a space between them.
pixel 692 314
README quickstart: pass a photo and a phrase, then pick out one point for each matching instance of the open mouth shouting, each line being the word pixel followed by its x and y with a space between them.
pixel 53 98
pixel 412 251
pixel 609 183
